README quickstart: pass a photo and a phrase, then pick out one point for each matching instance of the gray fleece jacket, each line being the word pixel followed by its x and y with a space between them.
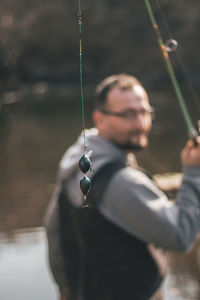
pixel 131 201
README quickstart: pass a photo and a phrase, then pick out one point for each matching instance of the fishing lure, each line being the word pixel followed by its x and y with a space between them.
pixel 85 185
pixel 85 163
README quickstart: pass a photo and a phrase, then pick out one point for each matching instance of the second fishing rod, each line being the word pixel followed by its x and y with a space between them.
pixel 192 132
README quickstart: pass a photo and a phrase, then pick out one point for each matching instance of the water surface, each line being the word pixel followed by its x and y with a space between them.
pixel 33 137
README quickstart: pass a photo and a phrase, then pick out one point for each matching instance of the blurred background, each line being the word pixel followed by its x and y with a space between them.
pixel 40 114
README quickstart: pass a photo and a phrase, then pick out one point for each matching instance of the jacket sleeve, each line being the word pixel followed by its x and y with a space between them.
pixel 133 202
pixel 56 259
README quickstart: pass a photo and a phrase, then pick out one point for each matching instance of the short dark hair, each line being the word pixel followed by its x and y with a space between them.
pixel 122 81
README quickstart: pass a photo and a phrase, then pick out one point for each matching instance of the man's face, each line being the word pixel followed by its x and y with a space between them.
pixel 126 118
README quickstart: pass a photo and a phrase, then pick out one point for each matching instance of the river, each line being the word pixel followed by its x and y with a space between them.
pixel 33 137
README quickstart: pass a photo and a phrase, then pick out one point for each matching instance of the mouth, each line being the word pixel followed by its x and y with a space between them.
pixel 139 139
pixel 137 134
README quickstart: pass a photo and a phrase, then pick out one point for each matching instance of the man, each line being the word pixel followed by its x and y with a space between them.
pixel 102 252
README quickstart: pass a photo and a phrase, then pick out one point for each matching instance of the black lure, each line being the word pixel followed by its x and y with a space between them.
pixel 85 185
pixel 85 163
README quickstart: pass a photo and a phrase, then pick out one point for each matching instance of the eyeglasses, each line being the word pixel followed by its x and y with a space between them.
pixel 131 114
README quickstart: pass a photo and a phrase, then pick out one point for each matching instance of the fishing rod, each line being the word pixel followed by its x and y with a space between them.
pixel 177 54
pixel 191 130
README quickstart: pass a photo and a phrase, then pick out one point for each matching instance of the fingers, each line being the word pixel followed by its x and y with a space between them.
pixel 193 143
pixel 190 155
pixel 196 141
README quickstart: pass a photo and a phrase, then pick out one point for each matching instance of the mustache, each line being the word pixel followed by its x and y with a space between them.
pixel 137 132
pixel 132 147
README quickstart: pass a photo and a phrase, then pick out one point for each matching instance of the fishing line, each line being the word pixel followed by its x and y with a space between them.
pixel 178 56
pixel 84 162
pixel 191 130
pixel 81 69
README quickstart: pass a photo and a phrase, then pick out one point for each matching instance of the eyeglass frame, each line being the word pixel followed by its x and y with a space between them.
pixel 130 114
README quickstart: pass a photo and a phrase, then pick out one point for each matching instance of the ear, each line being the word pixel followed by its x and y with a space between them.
pixel 99 119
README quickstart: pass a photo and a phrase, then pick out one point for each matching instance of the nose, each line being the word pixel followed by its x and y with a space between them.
pixel 139 122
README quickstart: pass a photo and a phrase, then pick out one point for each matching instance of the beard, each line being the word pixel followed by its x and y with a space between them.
pixel 131 147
